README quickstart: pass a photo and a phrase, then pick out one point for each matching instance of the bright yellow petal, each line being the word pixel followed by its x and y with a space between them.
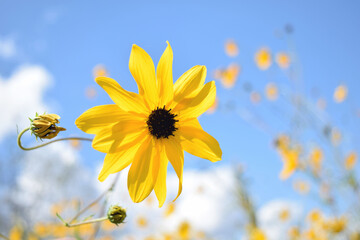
pixel 199 104
pixel 143 171
pixel 114 138
pixel 165 77
pixel 127 101
pixel 175 154
pixel 160 186
pixel 95 119
pixel 290 158
pixel 142 69
pixel 189 83
pixel 198 142
pixel 115 162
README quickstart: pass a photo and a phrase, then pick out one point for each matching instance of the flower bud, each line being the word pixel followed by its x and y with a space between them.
pixel 116 214
pixel 44 126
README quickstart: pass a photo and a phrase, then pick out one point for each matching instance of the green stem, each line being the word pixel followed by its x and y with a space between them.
pixel 44 144
pixel 81 223
pixel 4 237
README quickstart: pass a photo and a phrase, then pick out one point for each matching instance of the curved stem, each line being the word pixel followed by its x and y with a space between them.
pixel 44 144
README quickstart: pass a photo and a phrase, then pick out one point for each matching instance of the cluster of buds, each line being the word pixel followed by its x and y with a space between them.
pixel 116 214
pixel 44 126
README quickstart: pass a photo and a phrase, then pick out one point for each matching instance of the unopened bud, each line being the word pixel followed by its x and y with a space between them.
pixel 116 214
pixel 44 126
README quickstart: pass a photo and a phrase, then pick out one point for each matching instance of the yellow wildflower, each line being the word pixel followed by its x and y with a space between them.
pixel 255 97
pixel 350 161
pixel 294 233
pixel 335 136
pixel 321 103
pixel 257 234
pixel 282 142
pixel 283 60
pixel 170 209
pixel 231 48
pixel 263 58
pixel 315 216
pixel 340 93
pixel 301 187
pixel 100 71
pixel 184 230
pixel 149 129
pixel 271 91
pixel 141 222
pixel 16 233
pixel 229 75
pixel 284 214
pixel 90 92
pixel 316 158
pixel 290 158
pixel 335 225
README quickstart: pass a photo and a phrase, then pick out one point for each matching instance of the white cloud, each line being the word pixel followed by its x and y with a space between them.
pixel 271 223
pixel 7 47
pixel 207 203
pixel 21 95
pixel 50 175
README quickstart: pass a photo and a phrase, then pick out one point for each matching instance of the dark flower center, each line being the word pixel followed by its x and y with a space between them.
pixel 161 123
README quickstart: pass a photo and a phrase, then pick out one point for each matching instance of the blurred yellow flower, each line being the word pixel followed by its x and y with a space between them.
pixel 340 93
pixel 314 216
pixel 282 142
pixel 321 103
pixel 184 230
pixel 335 225
pixel 170 209
pixel 290 159
pixel 255 97
pixel 149 129
pixel 75 143
pixel 284 214
pixel 271 91
pixel 283 60
pixel 257 234
pixel 141 222
pixel 335 136
pixel 350 161
pixel 228 76
pixel 316 158
pixel 301 187
pixel 16 233
pixel 231 48
pixel 100 71
pixel 263 58
pixel 294 233
pixel 90 92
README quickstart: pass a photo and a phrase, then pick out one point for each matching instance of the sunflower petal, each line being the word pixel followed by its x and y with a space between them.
pixel 142 69
pixel 119 136
pixel 199 104
pixel 175 154
pixel 115 162
pixel 127 101
pixel 143 171
pixel 96 118
pixel 165 77
pixel 189 83
pixel 198 142
pixel 160 186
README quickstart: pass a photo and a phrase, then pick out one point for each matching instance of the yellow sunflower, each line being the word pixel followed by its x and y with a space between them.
pixel 149 129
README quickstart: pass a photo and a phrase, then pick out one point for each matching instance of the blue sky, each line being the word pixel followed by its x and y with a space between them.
pixel 69 38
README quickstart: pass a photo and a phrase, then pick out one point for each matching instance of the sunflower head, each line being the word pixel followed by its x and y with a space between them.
pixel 152 128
